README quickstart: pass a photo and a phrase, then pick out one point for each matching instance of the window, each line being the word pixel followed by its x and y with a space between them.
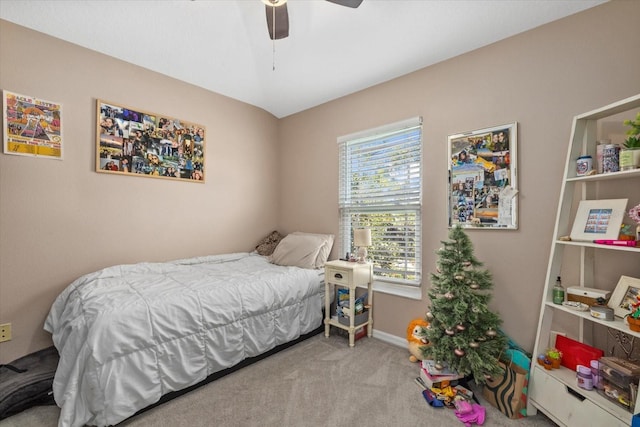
pixel 381 189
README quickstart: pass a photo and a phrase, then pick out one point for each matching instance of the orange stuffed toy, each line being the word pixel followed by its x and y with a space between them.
pixel 416 338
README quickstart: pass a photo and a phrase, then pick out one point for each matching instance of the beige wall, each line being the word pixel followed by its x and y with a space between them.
pixel 60 219
pixel 540 79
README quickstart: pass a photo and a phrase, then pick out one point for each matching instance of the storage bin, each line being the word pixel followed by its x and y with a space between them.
pixel 359 320
pixel 589 296
pixel 357 334
pixel 619 379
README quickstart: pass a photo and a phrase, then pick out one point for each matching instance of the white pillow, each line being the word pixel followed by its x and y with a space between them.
pixel 297 250
pixel 325 249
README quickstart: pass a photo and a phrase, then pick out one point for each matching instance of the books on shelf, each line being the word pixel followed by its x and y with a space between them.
pixel 342 305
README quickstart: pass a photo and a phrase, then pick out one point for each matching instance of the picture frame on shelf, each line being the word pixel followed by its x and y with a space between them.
pixel 598 220
pixel 625 293
pixel 483 183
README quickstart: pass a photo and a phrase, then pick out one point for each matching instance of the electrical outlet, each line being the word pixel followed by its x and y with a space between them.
pixel 5 332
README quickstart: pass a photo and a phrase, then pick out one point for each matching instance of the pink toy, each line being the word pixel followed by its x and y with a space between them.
pixel 475 414
pixel 462 406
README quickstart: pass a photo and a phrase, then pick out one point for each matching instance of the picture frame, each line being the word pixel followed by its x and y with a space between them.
pixel 31 126
pixel 483 184
pixel 624 295
pixel 131 141
pixel 598 220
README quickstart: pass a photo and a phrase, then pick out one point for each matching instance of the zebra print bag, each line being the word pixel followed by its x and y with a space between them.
pixel 508 392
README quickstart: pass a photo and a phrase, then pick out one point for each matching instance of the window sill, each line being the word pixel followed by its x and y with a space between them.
pixel 411 292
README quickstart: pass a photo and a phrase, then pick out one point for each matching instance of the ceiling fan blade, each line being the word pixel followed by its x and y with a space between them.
pixel 348 3
pixel 281 15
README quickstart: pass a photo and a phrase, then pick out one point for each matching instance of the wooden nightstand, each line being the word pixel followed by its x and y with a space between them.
pixel 349 275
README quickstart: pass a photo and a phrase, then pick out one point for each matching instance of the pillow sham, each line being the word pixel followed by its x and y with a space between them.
pixel 267 245
pixel 297 250
pixel 325 249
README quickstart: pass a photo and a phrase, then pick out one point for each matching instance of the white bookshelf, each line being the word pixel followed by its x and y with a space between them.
pixel 555 392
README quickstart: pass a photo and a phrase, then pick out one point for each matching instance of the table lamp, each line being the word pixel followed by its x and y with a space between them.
pixel 362 239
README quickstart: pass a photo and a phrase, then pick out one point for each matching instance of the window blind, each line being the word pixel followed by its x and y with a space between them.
pixel 381 189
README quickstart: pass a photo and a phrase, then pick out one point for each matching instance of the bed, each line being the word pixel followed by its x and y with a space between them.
pixel 128 335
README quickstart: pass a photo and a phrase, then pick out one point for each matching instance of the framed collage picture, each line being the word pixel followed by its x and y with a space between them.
pixel 483 179
pixel 134 142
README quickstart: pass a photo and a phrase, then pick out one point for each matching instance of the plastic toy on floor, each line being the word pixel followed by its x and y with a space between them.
pixel 432 399
pixel 462 406
pixel 469 413
pixel 416 338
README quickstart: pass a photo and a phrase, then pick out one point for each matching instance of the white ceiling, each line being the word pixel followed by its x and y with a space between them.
pixel 331 51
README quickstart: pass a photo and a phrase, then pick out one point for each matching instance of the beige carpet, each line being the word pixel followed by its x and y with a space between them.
pixel 319 382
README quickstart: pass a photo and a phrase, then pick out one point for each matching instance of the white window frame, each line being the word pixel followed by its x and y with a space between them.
pixel 409 201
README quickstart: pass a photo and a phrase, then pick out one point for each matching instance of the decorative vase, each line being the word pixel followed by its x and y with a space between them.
pixel 555 363
pixel 634 324
pixel 629 158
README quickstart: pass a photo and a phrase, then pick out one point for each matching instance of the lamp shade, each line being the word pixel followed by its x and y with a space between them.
pixel 362 237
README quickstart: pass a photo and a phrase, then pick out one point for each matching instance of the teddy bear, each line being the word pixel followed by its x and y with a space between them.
pixel 416 338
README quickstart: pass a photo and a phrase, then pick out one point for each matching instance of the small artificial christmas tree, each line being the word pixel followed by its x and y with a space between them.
pixel 463 332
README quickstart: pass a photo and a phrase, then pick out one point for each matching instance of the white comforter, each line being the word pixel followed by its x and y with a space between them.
pixel 131 333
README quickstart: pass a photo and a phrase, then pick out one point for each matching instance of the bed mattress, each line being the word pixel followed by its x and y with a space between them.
pixel 129 334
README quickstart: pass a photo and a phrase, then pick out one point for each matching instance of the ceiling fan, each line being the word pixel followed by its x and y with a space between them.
pixel 278 16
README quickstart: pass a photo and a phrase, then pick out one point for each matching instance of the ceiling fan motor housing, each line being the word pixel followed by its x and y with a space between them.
pixel 278 16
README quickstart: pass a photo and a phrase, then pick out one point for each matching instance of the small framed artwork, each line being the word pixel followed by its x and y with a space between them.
pixel 625 294
pixel 598 220
pixel 131 141
pixel 31 126
pixel 483 183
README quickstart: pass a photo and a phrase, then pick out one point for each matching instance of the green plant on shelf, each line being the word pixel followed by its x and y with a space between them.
pixel 554 353
pixel 633 134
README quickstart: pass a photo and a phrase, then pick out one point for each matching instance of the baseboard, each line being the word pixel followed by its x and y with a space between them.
pixel 391 339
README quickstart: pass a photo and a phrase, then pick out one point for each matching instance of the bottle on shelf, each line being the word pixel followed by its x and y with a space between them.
pixel 558 292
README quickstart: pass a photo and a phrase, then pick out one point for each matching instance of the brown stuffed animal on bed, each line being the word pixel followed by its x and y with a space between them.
pixel 416 338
